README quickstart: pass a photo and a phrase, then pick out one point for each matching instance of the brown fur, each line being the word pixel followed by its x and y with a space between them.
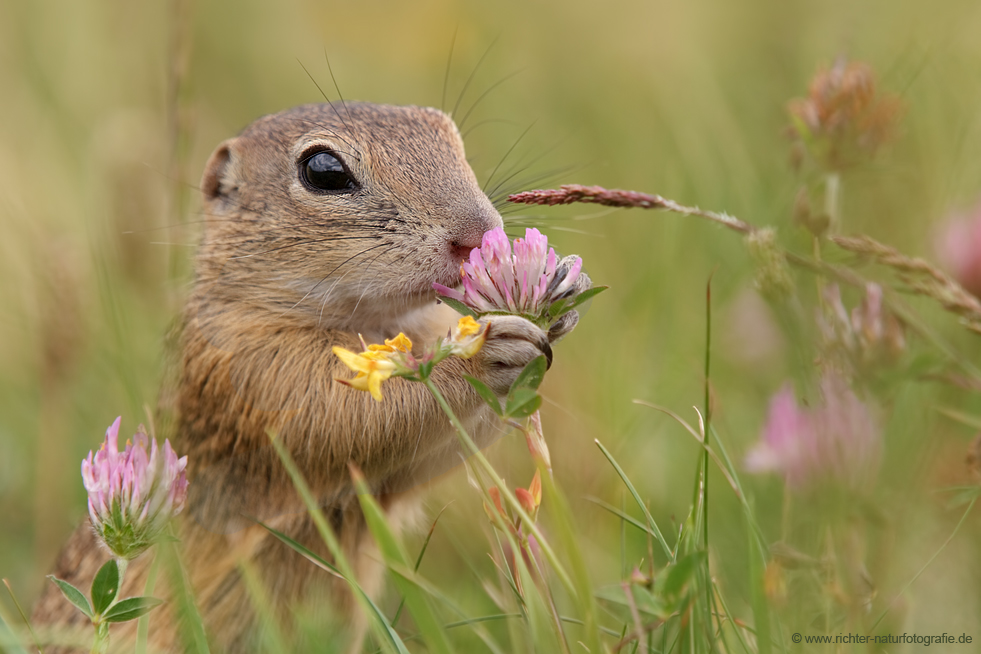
pixel 282 275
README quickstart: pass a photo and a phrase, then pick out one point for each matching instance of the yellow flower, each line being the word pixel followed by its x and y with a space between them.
pixel 467 326
pixel 400 343
pixel 468 337
pixel 373 367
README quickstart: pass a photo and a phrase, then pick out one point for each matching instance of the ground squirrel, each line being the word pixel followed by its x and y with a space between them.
pixel 322 222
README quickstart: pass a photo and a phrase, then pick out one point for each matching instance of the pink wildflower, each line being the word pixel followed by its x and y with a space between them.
pixel 869 336
pixel 133 493
pixel 959 249
pixel 524 282
pixel 837 440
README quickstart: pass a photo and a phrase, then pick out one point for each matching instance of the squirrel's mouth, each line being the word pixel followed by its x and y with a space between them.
pixel 460 252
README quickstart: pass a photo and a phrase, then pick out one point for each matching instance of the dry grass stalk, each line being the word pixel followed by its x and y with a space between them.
pixel 572 193
pixel 920 276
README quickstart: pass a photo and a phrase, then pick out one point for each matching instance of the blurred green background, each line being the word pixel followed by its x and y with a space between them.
pixel 111 108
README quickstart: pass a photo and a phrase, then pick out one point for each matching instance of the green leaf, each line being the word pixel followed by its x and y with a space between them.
pixel 559 308
pixel 565 305
pixel 131 608
pixel 73 595
pixel 523 403
pixel 486 394
pixel 588 294
pixel 532 375
pixel 105 586
pixel 458 306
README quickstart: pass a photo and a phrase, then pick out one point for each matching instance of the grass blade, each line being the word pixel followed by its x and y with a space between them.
pixel 302 551
pixel 761 612
pixel 187 609
pixel 23 616
pixel 9 642
pixel 143 626
pixel 422 553
pixel 271 636
pixel 633 491
pixel 392 551
pixel 379 622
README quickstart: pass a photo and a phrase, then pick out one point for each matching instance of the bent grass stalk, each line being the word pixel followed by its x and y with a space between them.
pixel 947 292
pixel 926 565
pixel 8 639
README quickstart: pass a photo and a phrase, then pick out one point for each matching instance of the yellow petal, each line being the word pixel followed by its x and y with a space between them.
pixel 375 380
pixel 468 346
pixel 400 342
pixel 355 362
pixel 377 360
pixel 360 382
pixel 467 326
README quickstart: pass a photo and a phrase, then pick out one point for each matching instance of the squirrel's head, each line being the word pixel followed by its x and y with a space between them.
pixel 344 214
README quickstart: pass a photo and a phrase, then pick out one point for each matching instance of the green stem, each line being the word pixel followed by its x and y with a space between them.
pixel 927 564
pixel 121 565
pixel 471 448
pixel 705 461
pixel 100 644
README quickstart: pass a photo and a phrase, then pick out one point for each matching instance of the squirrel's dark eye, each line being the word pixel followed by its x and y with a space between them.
pixel 325 172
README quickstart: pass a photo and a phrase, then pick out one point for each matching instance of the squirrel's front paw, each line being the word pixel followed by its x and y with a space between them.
pixel 511 343
pixel 568 322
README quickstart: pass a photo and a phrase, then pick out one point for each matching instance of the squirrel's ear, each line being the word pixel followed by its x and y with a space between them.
pixel 218 182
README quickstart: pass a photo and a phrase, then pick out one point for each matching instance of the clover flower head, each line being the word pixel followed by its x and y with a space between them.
pixel 844 118
pixel 133 493
pixel 870 335
pixel 837 440
pixel 524 278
